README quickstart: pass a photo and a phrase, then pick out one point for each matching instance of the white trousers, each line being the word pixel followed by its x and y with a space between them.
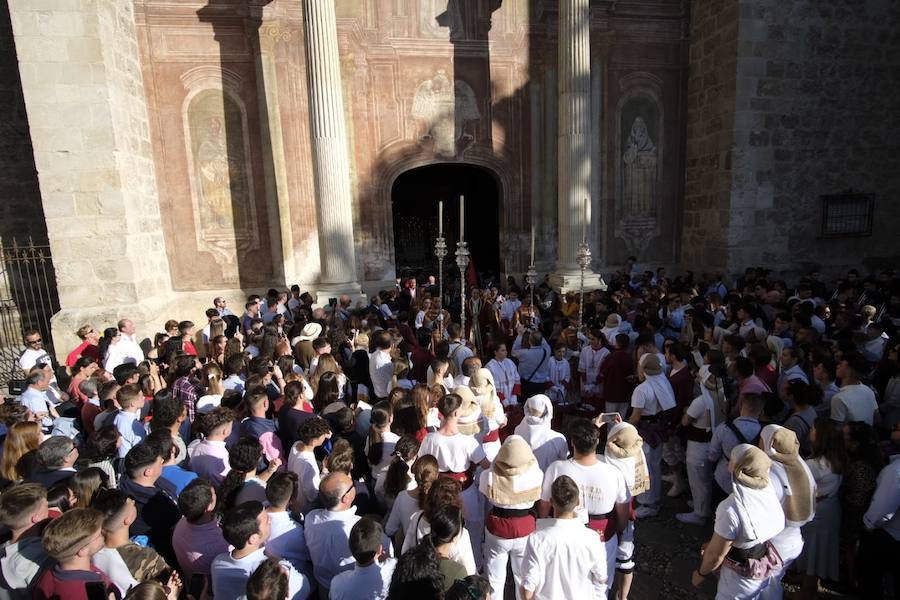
pixel 497 552
pixel 473 513
pixel 734 587
pixel 673 451
pixel 653 456
pixel 789 544
pixel 699 472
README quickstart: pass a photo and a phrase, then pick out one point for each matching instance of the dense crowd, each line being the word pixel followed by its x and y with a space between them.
pixel 377 450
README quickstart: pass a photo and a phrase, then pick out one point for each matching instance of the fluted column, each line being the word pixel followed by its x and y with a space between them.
pixel 574 127
pixel 329 145
pixel 574 142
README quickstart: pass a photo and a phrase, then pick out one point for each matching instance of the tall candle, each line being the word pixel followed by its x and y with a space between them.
pixel 584 223
pixel 532 244
pixel 462 218
pixel 441 218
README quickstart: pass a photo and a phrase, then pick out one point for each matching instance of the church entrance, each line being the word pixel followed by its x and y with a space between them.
pixel 415 197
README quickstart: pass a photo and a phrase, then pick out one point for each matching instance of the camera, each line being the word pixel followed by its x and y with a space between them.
pixel 332 302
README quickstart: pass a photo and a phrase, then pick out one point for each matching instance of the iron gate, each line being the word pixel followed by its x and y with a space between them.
pixel 28 299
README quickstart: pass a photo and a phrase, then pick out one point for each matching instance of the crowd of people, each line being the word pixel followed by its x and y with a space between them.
pixel 352 450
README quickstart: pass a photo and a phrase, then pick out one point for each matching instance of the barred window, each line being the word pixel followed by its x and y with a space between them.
pixel 847 215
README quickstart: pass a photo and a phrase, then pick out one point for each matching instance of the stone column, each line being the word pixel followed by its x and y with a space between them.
pixel 87 114
pixel 574 147
pixel 331 161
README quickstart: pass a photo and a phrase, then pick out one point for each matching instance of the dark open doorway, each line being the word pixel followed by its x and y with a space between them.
pixel 415 197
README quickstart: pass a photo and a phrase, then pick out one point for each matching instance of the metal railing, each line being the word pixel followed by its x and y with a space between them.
pixel 28 299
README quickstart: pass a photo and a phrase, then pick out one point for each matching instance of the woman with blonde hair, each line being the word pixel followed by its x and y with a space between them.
pixel 18 450
pixel 327 364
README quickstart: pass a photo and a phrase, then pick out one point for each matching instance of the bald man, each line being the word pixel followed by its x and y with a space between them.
pixel 328 530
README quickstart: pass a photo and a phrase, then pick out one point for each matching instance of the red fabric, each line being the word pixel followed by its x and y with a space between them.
pixel 420 434
pixel 517 389
pixel 89 412
pixel 471 274
pixel 769 376
pixel 75 393
pixel 492 436
pixel 614 375
pixel 604 527
pixel 510 528
pixel 421 358
pixel 55 583
pixel 189 348
pixel 76 353
pixel 514 416
pixel 683 386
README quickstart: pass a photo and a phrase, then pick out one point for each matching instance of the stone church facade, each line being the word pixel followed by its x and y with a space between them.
pixel 172 150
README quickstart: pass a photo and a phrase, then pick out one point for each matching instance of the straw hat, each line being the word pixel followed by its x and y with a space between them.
pixel 310 332
pixel 469 421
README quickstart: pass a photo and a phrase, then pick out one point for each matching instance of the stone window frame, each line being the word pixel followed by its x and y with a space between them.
pixel 848 214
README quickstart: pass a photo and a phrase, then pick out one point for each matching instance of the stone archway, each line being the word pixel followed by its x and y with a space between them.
pixel 415 194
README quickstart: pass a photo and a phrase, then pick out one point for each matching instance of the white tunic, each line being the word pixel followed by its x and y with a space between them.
pixel 454 453
pixel 563 560
pixel 601 486
pixel 506 378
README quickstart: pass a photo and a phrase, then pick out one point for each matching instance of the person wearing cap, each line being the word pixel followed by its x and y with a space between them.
pixel 604 497
pixel 746 521
pixel 482 385
pixel 855 401
pixel 511 486
pixel 649 403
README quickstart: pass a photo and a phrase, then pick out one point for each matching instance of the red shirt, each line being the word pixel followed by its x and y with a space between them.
pixel 72 585
pixel 84 349
pixel 768 375
pixel 614 374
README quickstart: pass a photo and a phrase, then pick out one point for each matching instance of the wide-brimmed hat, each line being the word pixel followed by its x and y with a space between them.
pixel 310 332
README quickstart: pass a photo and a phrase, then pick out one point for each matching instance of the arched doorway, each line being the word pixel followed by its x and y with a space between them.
pixel 414 199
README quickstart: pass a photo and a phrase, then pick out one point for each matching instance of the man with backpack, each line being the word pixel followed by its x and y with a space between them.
pixel 745 429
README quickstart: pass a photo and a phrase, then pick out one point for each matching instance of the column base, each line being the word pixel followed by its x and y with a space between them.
pixel 323 292
pixel 567 281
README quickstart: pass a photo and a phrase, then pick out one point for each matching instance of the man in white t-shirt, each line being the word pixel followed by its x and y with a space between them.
pixel 855 401
pixel 604 497
pixel 34 351
pixel 128 344
pixel 231 570
pixel 311 434
pixel 564 560
pixel 381 369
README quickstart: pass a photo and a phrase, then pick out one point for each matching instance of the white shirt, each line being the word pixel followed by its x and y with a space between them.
pixel 110 562
pixel 288 541
pixel 131 349
pixel 229 576
pixel 561 371
pixel 208 403
pixel 460 548
pixel 381 370
pixel 854 403
pixel 601 486
pixel 827 481
pixel 38 402
pixel 508 309
pixel 884 510
pixel 420 319
pixel 728 523
pixel 405 505
pixel 563 560
pixel 379 471
pixel 589 363
pixel 234 382
pixel 306 467
pixel 363 583
pixel 697 411
pixel 31 357
pixel 645 398
pixel 506 378
pixel 328 540
pixel 454 453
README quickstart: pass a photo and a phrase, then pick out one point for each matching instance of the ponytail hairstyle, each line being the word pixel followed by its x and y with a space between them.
pixel 444 491
pixel 446 523
pixel 397 477
pixel 379 423
pixel 243 458
pixel 425 471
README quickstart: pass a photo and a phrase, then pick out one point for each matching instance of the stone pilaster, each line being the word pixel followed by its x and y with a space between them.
pixel 87 112
pixel 574 146
pixel 331 160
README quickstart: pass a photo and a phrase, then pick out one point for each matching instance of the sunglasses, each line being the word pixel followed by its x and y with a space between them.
pixel 37 341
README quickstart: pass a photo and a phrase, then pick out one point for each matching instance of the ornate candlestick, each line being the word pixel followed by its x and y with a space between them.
pixel 462 261
pixel 583 257
pixel 531 279
pixel 440 251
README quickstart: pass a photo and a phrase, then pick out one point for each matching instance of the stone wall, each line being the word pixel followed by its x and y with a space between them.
pixel 710 133
pixel 21 214
pixel 816 113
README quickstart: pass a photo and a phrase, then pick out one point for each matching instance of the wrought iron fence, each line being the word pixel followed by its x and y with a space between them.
pixel 28 299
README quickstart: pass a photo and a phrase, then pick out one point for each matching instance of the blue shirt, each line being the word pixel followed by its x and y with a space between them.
pixel 534 363
pixel 178 477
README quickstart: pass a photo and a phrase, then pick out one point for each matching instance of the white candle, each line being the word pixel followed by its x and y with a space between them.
pixel 462 218
pixel 532 244
pixel 584 223
pixel 441 218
